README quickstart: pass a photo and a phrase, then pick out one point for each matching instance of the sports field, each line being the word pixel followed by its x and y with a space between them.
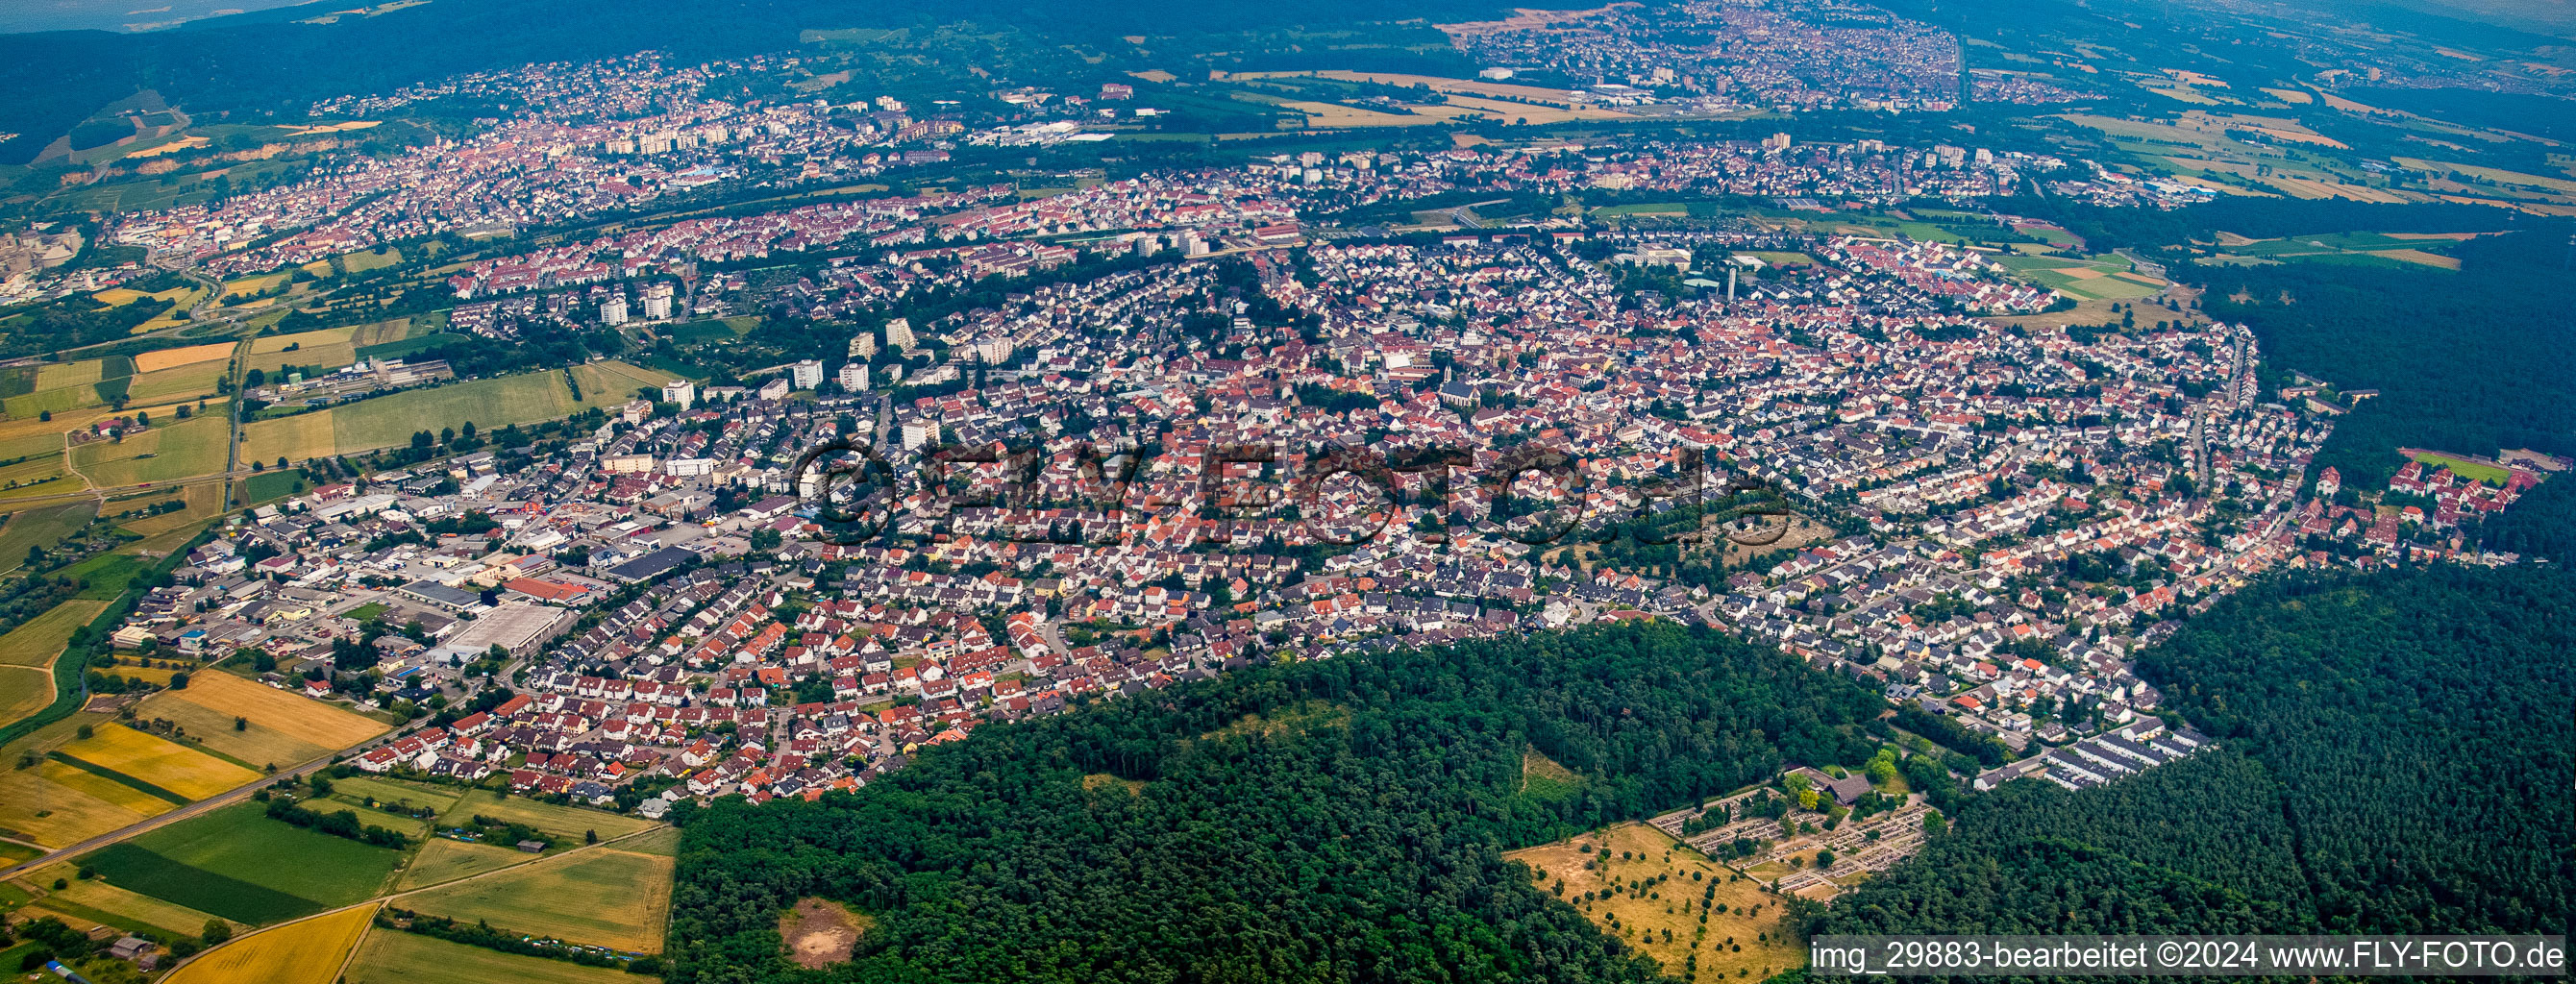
pixel 602 897
pixel 308 952
pixel 166 452
pixel 395 957
pixel 2473 471
pixel 566 823
pixel 227 862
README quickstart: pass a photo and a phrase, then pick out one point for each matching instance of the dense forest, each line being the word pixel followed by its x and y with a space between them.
pixel 1331 821
pixel 2470 362
pixel 2396 754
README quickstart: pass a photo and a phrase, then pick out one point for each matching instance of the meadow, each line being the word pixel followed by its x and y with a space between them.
pixel 178 383
pixel 307 952
pixel 42 527
pixel 27 655
pixel 602 897
pixel 168 451
pixel 442 860
pixel 2084 280
pixel 395 957
pixel 328 349
pixel 99 902
pixel 391 420
pixel 566 823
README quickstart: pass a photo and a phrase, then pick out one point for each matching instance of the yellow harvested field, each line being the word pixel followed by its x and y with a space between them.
pixel 156 361
pixel 247 286
pixel 298 438
pixel 1512 112
pixel 1561 97
pixel 306 952
pixel 380 332
pixel 76 804
pixel 159 761
pixel 1526 19
pixel 256 742
pixel 325 356
pixel 1330 115
pixel 304 339
pixel 302 718
pixel 2419 256
pixel 1748 936
pixel 2312 188
pixel 2292 96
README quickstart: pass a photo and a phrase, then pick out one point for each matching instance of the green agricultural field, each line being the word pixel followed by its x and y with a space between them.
pixel 186 448
pixel 273 485
pixel 602 897
pixel 390 421
pixel 40 527
pixel 566 823
pixel 228 862
pixel 93 898
pixel 106 575
pixel 55 401
pixel 396 791
pixel 442 860
pixel 665 842
pixel 185 382
pixel 58 375
pixel 394 957
pixel 328 349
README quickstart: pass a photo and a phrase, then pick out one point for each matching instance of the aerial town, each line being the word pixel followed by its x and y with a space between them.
pixel 520 490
